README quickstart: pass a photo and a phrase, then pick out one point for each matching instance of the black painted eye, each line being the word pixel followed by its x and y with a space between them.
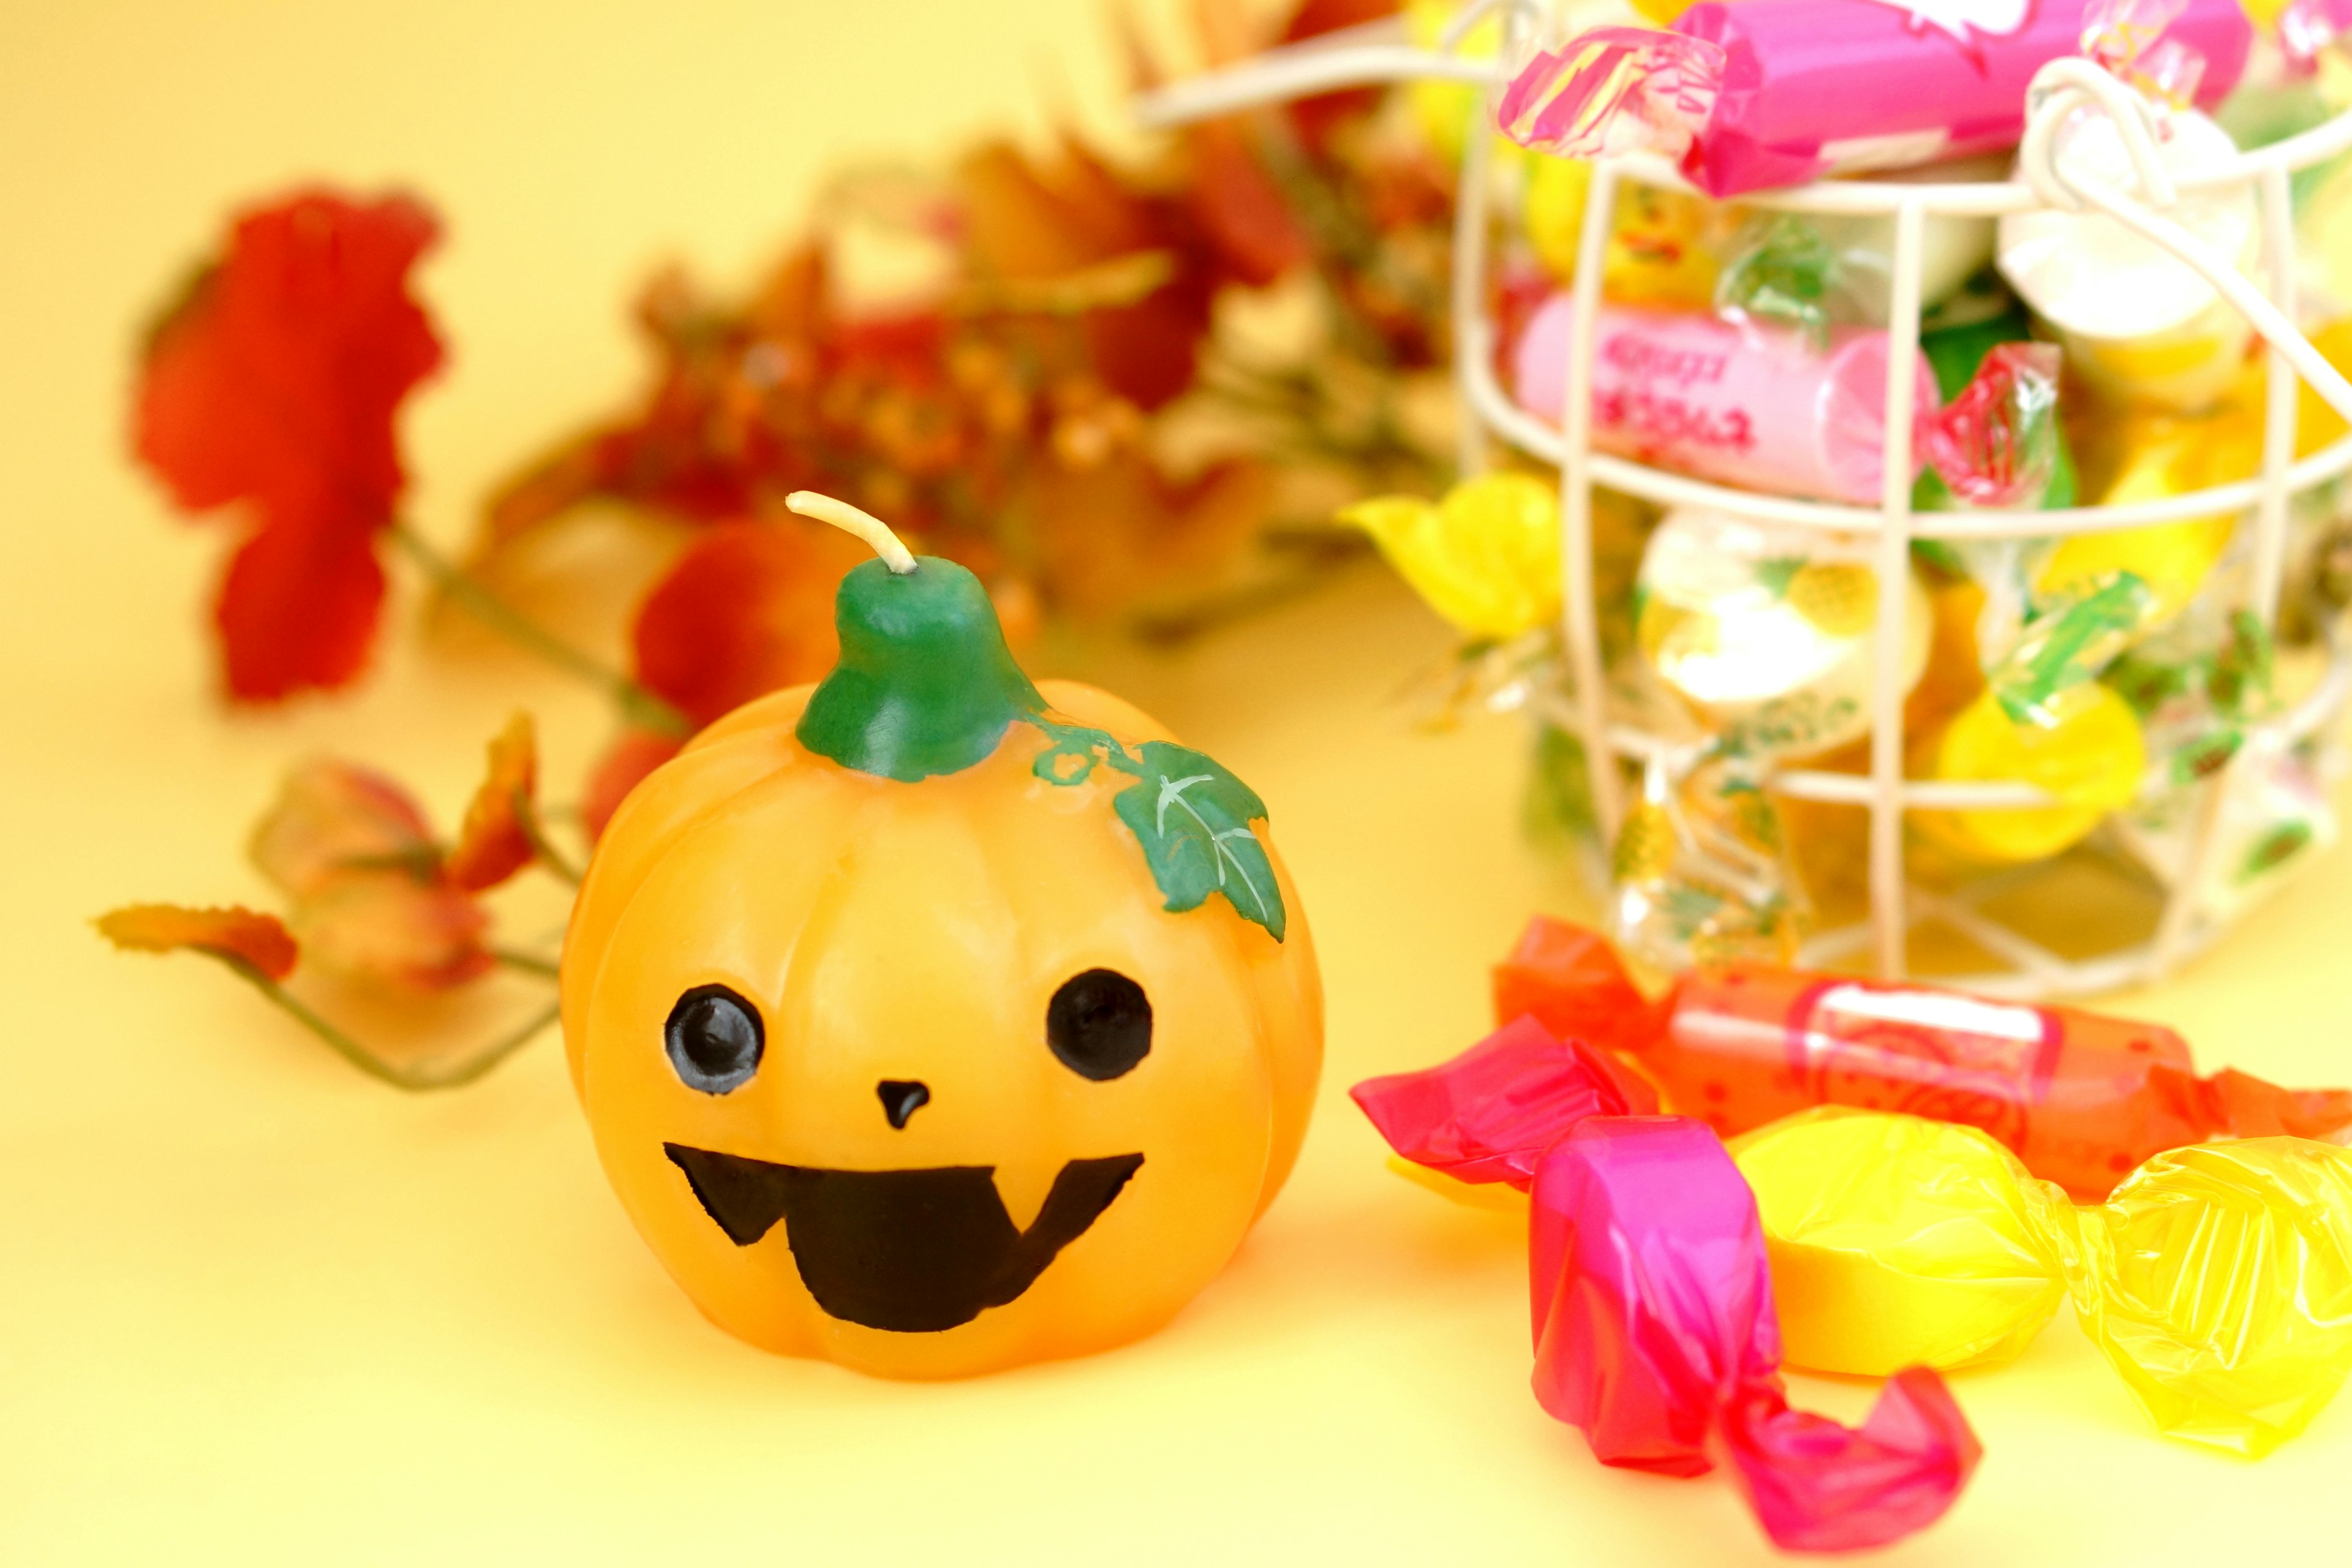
pixel 1099 1023
pixel 714 1039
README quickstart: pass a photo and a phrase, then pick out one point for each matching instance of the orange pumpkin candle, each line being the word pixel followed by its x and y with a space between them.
pixel 931 1021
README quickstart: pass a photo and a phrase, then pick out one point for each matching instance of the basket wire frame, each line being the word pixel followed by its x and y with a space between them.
pixel 1375 54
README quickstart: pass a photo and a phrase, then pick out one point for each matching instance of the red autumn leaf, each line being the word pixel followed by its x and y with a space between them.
pixel 495 841
pixel 298 608
pixel 239 935
pixel 1238 206
pixel 273 384
pixel 746 610
pixel 632 755
pixel 1319 116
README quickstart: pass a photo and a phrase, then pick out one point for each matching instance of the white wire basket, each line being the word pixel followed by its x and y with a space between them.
pixel 2029 967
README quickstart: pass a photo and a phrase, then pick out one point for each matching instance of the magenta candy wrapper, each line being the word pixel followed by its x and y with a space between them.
pixel 1654 1326
pixel 1490 1113
pixel 1779 92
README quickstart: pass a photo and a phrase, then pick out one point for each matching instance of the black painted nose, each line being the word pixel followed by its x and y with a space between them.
pixel 901 1098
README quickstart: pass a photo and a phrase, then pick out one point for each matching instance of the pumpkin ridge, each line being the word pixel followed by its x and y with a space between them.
pixel 616 907
pixel 610 888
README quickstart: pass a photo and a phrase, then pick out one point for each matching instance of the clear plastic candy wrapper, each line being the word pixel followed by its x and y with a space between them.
pixel 1767 632
pixel 1700 866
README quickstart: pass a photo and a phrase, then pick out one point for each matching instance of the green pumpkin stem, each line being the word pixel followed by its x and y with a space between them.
pixel 925 684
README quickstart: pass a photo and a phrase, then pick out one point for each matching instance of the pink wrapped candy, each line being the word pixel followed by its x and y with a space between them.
pixel 1654 1326
pixel 1778 93
pixel 1737 402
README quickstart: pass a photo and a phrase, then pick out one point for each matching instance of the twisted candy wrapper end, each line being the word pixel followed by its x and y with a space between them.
pixel 1996 443
pixel 1652 1302
pixel 2127 37
pixel 1572 980
pixel 1489 1114
pixel 2217 1281
pixel 1611 90
pixel 2306 28
pixel 2244 1105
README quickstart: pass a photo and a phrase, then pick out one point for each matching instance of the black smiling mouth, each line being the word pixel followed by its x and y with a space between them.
pixel 914 1251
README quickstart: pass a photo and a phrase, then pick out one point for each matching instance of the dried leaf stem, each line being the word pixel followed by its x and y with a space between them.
pixel 638 705
pixel 420 1078
pixel 542 847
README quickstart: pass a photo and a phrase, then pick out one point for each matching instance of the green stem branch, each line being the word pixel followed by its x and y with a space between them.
pixel 542 846
pixel 421 1076
pixel 637 704
pixel 528 962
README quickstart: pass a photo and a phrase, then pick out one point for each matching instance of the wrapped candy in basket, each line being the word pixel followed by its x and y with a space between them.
pixel 1903 461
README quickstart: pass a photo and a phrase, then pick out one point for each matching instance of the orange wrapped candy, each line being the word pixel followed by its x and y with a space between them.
pixel 2079 1097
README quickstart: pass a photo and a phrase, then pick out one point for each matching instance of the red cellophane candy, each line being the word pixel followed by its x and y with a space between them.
pixel 1654 1327
pixel 2082 1099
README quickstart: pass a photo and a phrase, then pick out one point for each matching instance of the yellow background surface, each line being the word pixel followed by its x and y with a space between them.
pixel 256 1309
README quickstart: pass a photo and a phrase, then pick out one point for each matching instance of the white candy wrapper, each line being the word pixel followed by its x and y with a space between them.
pixel 2134 319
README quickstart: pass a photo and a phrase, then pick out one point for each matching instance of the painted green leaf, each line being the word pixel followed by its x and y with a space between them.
pixel 1190 815
pixel 1192 818
pixel 1076 751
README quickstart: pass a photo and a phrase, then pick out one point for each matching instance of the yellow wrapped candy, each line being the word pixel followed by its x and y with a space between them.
pixel 1486 557
pixel 2090 759
pixel 1665 248
pixel 1445 110
pixel 2162 456
pixel 2217 1280
pixel 2152 455
pixel 1555 208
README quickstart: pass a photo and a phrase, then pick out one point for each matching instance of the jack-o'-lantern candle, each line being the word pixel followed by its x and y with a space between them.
pixel 932 1021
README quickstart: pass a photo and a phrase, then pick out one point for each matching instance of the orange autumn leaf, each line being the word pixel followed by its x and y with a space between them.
pixel 1120 533
pixel 331 819
pixel 746 609
pixel 389 928
pixel 1027 219
pixel 371 898
pixel 632 755
pixel 496 840
pixel 1318 116
pixel 241 936
pixel 1032 220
